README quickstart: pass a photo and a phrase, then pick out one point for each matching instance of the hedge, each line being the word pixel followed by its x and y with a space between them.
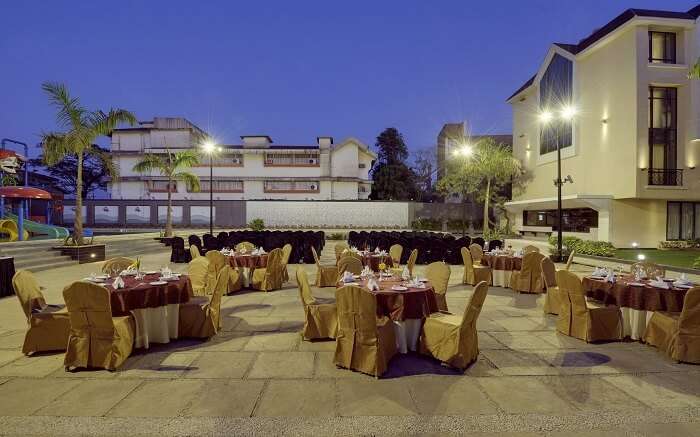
pixel 584 247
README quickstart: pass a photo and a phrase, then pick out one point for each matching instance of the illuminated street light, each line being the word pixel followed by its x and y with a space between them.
pixel 545 117
pixel 210 148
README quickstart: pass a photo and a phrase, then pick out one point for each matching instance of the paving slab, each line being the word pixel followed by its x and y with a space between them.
pixel 521 340
pixel 317 346
pixel 221 342
pixel 375 398
pixel 24 396
pixel 159 398
pixel 448 396
pixel 590 393
pixel 298 398
pixel 158 365
pixel 325 368
pixel 653 390
pixel 228 398
pixel 7 356
pixel 35 366
pixel 220 365
pixel 90 398
pixel 512 362
pixel 12 340
pixel 273 341
pixel 521 394
pixel 283 365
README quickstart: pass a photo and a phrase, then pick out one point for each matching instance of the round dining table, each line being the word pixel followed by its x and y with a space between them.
pixel 246 263
pixel 407 308
pixel 373 260
pixel 637 300
pixel 155 305
pixel 502 267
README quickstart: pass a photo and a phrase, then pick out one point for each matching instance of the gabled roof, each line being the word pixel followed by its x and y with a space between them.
pixel 614 24
pixel 360 145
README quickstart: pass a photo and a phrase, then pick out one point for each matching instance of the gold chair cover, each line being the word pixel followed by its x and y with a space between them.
pixel 453 339
pixel 340 247
pixel 197 270
pixel 648 269
pixel 48 325
pixel 438 273
pixel 269 277
pixel 326 275
pixel 217 261
pixel 588 323
pixel 96 338
pixel 364 342
pixel 349 263
pixel 530 248
pixel 200 317
pixel 552 300
pixel 678 334
pixel 286 253
pixel 247 245
pixel 411 263
pixel 395 251
pixel 119 263
pixel 570 260
pixel 473 273
pixel 320 319
pixel 529 278
pixel 194 252
pixel 477 253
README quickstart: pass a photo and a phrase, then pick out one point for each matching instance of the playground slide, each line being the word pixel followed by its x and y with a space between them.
pixel 10 231
pixel 40 228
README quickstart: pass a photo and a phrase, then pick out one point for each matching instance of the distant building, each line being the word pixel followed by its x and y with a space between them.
pixel 255 169
pixel 632 148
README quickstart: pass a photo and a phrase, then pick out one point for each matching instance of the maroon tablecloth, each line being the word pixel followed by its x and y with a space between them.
pixel 249 261
pixel 502 262
pixel 645 298
pixel 414 303
pixel 373 261
pixel 140 294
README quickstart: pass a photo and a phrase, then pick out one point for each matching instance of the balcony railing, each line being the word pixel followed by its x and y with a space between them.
pixel 666 177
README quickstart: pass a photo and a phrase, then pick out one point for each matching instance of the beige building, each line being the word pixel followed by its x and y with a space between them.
pixel 256 169
pixel 627 119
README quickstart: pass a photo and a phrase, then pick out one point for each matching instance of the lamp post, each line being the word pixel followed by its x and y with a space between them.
pixel 210 149
pixel 464 151
pixel 566 114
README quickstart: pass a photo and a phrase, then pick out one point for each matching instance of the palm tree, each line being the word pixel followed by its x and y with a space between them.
pixel 82 127
pixel 173 166
pixel 694 72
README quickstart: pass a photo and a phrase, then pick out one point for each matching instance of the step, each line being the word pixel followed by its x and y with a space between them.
pixel 38 267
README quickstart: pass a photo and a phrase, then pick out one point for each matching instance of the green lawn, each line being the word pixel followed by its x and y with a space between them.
pixel 678 258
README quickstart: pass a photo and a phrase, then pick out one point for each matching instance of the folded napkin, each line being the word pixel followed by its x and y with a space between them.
pixel 659 284
pixel 376 249
pixel 610 277
pixel 683 280
pixel 405 274
pixel 118 283
pixel 372 285
pixel 129 271
pixel 347 277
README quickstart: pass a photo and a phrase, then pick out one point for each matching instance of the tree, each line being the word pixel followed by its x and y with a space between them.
pixel 424 167
pixel 484 173
pixel 173 166
pixel 82 127
pixel 694 72
pixel 98 170
pixel 393 179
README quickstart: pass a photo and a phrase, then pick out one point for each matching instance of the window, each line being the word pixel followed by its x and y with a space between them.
pixel 291 186
pixel 362 165
pixel 221 186
pixel 225 160
pixel 556 90
pixel 682 220
pixel 662 136
pixel 575 219
pixel 161 186
pixel 662 48
pixel 292 159
pixel 361 189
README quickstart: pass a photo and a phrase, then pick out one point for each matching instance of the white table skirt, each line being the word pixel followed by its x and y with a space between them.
pixel 501 278
pixel 634 322
pixel 156 325
pixel 407 333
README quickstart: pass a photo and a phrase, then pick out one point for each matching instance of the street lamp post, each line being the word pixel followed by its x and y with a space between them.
pixel 210 148
pixel 464 151
pixel 567 114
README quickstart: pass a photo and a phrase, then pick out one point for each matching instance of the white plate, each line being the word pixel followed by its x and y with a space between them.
pixel 599 278
pixel 399 288
pixel 94 280
pixel 636 284
pixel 158 283
pixel 387 275
pixel 422 280
pixel 170 279
pixel 153 272
pixel 687 287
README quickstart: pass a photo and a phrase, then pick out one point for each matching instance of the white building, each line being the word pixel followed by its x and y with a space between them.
pixel 255 169
pixel 632 148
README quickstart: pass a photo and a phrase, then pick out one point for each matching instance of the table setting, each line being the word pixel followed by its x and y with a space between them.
pixel 246 261
pixel 502 263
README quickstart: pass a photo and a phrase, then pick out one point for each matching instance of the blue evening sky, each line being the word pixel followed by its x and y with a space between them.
pixel 290 69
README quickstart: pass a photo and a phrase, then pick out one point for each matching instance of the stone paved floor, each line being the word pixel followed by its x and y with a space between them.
pixel 258 377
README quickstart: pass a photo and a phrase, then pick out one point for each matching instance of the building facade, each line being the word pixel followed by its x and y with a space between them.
pixel 255 169
pixel 626 118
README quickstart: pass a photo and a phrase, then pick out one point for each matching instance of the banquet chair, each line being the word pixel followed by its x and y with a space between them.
pixel 678 334
pixel 395 251
pixel 474 273
pixel 648 269
pixel 453 339
pixel 530 248
pixel 119 263
pixel 247 245
pixel 495 244
pixel 477 253
pixel 178 253
pixel 411 263
pixel 326 275
pixel 438 273
pixel 194 252
pixel 200 317
pixel 570 260
pixel 340 247
pixel 48 325
pixel 364 341
pixel 320 319
pixel 586 321
pixel 217 261
pixel 97 339
pixel 197 272
pixel 529 278
pixel 269 278
pixel 286 252
pixel 552 299
pixel 350 264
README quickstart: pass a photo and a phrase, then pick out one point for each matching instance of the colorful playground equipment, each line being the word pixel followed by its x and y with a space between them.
pixel 16 226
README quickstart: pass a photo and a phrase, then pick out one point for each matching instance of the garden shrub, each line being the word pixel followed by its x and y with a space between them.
pixel 336 236
pixel 696 263
pixel 676 244
pixel 584 247
pixel 257 224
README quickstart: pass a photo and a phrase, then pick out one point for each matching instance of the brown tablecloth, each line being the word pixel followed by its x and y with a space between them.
pixel 646 298
pixel 414 303
pixel 502 262
pixel 140 294
pixel 249 261
pixel 373 261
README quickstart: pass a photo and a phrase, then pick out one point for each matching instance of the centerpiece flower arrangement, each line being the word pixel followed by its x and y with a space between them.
pixel 382 269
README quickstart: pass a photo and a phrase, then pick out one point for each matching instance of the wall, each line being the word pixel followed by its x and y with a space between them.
pixel 330 214
pixel 640 221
